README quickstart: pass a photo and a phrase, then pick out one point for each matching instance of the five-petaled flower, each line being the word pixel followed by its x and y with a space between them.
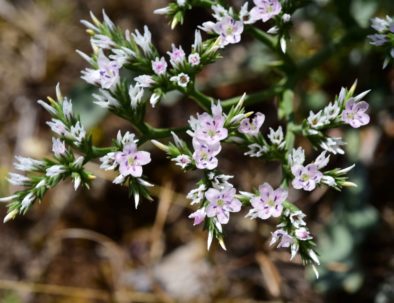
pixel 355 114
pixel 221 203
pixel 268 203
pixel 252 126
pixel 229 30
pixel 131 160
pixel 306 177
pixel 265 9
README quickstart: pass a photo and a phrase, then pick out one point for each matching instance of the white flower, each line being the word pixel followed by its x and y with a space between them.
pixel 322 160
pixel 144 41
pixel 196 46
pixel 108 161
pixel 121 55
pixel 67 108
pixel 154 98
pixel 55 170
pixel 57 126
pixel 162 11
pixel 194 59
pixel 135 93
pixel 18 180
pixel 27 164
pixel 181 2
pixel 105 99
pixel 317 120
pixel 144 81
pixel 181 79
pixel 276 137
pixel 256 150
pixel 331 111
pixel 102 41
pixel 197 194
pixel 27 200
pixel 58 147
pixel 78 132
pixel 333 145
pixel 297 156
pixel 159 66
pixel 182 160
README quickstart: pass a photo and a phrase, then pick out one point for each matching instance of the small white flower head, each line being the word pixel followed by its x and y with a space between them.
pixel 333 145
pixel 194 59
pixel 58 147
pixel 108 161
pixel 244 14
pixel 181 2
pixel 42 183
pixel 67 108
pixel 219 12
pixel 197 194
pixel 76 180
pixel 196 46
pixel 57 127
pixel 381 25
pixel 297 156
pixel 256 150
pixel 331 111
pixel 162 11
pixel 102 41
pixel 154 98
pixel 55 170
pixel 286 18
pixel 328 180
pixel 159 66
pixel 27 164
pixel 121 55
pixel 229 30
pixel 181 79
pixel 105 99
pixel 297 219
pixel 177 55
pixel 322 160
pixel 18 180
pixel 317 120
pixel 135 93
pixel 27 200
pixel 144 41
pixel 78 162
pixel 276 137
pixel 78 132
pixel 182 161
pixel 285 240
pixel 107 74
pixel 144 81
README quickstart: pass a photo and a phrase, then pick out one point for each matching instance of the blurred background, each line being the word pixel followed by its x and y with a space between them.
pixel 93 246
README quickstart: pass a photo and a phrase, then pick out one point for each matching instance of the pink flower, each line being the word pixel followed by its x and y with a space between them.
pixel 265 9
pixel 303 234
pixel 177 55
pixel 211 129
pixel 131 160
pixel 221 203
pixel 306 177
pixel 107 74
pixel 198 216
pixel 229 30
pixel 354 113
pixel 268 203
pixel 205 155
pixel 252 126
pixel 194 59
pixel 159 66
pixel 285 240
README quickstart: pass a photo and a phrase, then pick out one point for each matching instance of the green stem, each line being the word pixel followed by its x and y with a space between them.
pixel 202 100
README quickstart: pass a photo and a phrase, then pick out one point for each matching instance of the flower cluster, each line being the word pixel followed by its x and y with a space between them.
pixel 150 74
pixel 41 175
pixel 384 36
